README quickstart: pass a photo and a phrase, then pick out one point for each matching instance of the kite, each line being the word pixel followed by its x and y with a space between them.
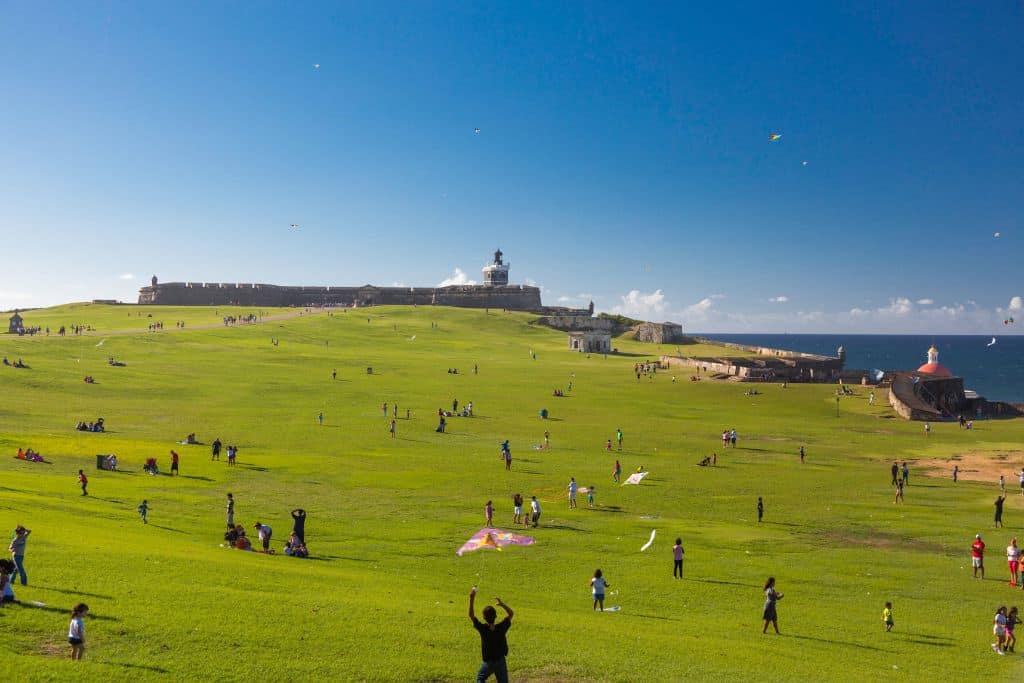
pixel 774 136
pixel 316 66
pixel 412 338
pixel 650 541
pixel 493 538
pixel 101 342
pixel 991 343
pixel 477 131
pixel 635 478
pixel 294 226
pixel 877 375
pixel 804 163
pixel 1008 321
pixel 996 235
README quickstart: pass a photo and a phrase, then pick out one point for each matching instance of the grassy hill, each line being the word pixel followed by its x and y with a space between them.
pixel 384 595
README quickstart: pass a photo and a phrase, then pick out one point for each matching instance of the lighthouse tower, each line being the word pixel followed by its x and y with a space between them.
pixel 496 274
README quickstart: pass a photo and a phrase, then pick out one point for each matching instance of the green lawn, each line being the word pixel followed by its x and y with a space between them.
pixel 385 596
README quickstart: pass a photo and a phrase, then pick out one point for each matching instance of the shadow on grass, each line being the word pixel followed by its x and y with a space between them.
pixel 67 592
pixel 832 641
pixel 607 508
pixel 192 476
pixel 565 527
pixel 155 669
pixel 727 583
pixel 255 468
pixel 519 471
pixel 166 528
pixel 62 610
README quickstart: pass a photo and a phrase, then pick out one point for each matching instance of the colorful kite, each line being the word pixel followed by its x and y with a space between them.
pixel 635 478
pixel 493 538
pixel 1008 321
pixel 773 137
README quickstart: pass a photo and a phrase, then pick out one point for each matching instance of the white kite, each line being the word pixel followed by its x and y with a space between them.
pixel 996 235
pixel 316 66
pixel 635 478
pixel 650 541
pixel 477 131
pixel 294 226
pixel 991 343
pixel 101 342
pixel 412 338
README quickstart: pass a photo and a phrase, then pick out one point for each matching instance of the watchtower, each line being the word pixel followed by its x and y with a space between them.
pixel 16 323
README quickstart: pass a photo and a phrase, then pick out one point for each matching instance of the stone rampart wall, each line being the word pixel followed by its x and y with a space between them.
pixel 514 297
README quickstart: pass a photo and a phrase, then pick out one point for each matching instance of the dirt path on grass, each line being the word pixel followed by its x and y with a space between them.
pixel 977 466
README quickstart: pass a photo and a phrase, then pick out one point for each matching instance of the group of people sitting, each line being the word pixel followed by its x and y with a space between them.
pixel 190 440
pixel 96 426
pixel 115 363
pixel 236 538
pixel 453 371
pixel 108 463
pixel 16 364
pixel 29 455
pixel 151 467
pixel 558 393
pixel 88 379
pixel 295 546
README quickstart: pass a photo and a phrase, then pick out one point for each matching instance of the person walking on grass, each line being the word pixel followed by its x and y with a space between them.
pixel 597 587
pixel 956 473
pixel 999 511
pixel 1013 561
pixel 895 469
pixel 143 511
pixel 572 493
pixel 392 429
pixel 1021 477
pixel 320 418
pixel 215 449
pixel 978 556
pixel 76 631
pixel 760 509
pixel 83 481
pixel 608 445
pixel 771 596
pixel 174 463
pixel 887 617
pixel 618 437
pixel 231 511
pixel 1011 622
pixel 488 515
pixel 534 510
pixel 617 472
pixel 999 631
pixel 677 559
pixel 517 509
pixel 1002 484
pixel 590 495
pixel 906 474
pixel 334 373
pixel 801 455
pixel 493 640
pixel 899 492
pixel 17 550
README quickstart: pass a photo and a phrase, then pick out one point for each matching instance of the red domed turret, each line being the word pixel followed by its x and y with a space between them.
pixel 933 367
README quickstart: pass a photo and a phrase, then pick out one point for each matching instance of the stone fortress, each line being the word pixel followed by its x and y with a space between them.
pixel 495 292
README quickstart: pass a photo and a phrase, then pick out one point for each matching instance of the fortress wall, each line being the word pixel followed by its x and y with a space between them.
pixel 520 298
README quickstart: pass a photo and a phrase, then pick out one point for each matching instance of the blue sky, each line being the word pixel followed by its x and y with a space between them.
pixel 623 154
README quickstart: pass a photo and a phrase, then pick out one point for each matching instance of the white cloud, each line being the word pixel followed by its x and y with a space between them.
pixel 458 277
pixel 640 305
pixel 126 276
pixel 701 306
pixel 399 284
pixel 925 302
pixel 1016 303
pixel 779 299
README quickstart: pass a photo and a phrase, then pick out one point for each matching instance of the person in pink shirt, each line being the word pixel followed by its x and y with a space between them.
pixel 489 513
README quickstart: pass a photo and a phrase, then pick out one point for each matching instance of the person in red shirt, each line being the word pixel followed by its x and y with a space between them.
pixel 174 463
pixel 978 556
pixel 84 481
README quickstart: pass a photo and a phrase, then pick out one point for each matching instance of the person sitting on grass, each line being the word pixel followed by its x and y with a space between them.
pixel 6 574
pixel 242 542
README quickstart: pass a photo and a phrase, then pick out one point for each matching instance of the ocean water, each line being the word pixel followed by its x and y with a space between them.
pixel 996 372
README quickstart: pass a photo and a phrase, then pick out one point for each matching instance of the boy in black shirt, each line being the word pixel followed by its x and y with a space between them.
pixel 493 646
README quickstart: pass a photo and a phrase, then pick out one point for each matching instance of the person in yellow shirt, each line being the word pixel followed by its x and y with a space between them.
pixel 887 616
